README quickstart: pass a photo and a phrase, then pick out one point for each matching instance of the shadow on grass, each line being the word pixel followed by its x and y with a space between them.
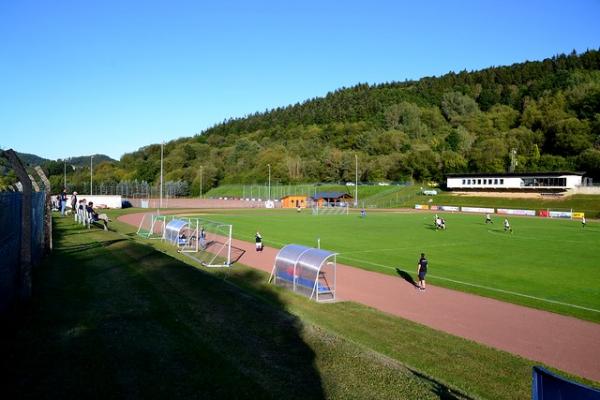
pixel 132 322
pixel 406 276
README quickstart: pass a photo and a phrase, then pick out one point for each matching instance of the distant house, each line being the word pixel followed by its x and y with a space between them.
pixel 331 198
pixel 293 201
pixel 535 181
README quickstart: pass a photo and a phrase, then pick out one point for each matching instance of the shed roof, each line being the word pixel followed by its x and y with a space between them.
pixel 331 195
pixel 515 174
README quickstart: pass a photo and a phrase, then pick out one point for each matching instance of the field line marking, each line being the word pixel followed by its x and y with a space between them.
pixel 470 284
pixel 489 288
pixel 517 294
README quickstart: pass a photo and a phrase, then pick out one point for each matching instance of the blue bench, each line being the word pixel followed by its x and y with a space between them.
pixel 302 282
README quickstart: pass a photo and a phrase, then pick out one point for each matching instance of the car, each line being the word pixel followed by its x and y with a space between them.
pixel 430 192
pixel 350 184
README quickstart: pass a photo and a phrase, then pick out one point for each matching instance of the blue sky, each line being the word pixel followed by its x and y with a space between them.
pixel 84 77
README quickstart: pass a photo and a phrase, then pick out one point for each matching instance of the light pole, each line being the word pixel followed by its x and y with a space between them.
pixel 356 184
pixel 91 175
pixel 161 174
pixel 65 172
pixel 269 165
pixel 201 176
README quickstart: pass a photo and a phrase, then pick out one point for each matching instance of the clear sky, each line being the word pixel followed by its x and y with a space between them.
pixel 109 76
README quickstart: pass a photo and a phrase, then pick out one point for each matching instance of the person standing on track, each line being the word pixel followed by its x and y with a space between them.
pixel 422 271
pixel 258 239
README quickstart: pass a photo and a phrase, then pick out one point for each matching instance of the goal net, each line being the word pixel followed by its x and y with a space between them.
pixel 213 241
pixel 337 210
pixel 152 226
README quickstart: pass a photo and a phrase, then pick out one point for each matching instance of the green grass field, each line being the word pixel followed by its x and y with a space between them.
pixel 546 264
pixel 113 316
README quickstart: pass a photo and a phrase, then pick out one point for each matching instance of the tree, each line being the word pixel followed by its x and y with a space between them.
pixel 489 155
pixel 589 161
pixel 456 105
pixel 570 136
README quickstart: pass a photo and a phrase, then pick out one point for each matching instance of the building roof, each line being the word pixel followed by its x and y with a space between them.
pixel 331 195
pixel 293 195
pixel 515 174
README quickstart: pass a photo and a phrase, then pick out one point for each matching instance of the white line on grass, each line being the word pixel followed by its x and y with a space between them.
pixel 487 288
pixel 464 283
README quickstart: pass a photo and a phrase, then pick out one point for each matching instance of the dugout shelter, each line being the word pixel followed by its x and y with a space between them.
pixel 306 270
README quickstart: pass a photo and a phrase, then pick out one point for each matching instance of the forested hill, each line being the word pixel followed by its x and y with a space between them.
pixel 548 111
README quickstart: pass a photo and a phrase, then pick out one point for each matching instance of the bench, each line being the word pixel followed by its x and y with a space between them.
pixel 305 282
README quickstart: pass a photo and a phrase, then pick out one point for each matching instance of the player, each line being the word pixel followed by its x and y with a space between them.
pixel 363 213
pixel 202 238
pixel 583 221
pixel 422 271
pixel 258 240
pixel 507 227
pixel 488 219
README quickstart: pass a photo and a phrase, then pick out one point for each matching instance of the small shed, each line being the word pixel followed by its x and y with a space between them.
pixel 331 198
pixel 306 270
pixel 293 201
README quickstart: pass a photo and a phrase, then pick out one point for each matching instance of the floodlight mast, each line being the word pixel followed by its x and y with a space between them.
pixel 91 175
pixel 269 165
pixel 356 185
pixel 162 145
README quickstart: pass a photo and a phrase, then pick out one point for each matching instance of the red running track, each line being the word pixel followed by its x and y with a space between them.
pixel 566 343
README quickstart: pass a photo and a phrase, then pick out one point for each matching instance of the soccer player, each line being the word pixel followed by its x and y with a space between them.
pixel 488 219
pixel 258 239
pixel 507 227
pixel 422 271
pixel 583 221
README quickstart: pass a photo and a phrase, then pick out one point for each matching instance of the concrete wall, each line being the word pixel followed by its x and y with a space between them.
pixel 200 203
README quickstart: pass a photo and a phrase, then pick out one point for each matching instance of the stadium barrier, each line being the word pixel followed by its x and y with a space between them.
pixel 560 214
pixel 509 211
pixel 421 207
pixel 483 210
pixel 449 208
pixel 578 215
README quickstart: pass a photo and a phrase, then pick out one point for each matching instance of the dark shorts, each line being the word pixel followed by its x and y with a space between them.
pixel 422 275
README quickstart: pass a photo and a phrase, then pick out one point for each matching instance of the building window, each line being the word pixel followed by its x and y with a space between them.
pixel 479 181
pixel 501 181
pixel 495 181
pixel 464 180
pixel 484 181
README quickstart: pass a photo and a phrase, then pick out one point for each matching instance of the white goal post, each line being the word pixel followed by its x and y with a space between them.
pixel 208 242
pixel 330 210
pixel 152 226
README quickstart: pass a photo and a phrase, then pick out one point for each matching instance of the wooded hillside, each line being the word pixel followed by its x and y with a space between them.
pixel 548 111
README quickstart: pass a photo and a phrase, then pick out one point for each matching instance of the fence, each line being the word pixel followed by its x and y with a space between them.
pixel 13 279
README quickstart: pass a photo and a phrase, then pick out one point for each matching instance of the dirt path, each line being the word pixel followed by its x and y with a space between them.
pixel 566 343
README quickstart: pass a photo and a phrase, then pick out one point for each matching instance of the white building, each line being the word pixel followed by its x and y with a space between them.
pixel 515 181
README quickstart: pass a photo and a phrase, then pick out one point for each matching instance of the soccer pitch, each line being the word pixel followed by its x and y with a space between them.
pixel 548 264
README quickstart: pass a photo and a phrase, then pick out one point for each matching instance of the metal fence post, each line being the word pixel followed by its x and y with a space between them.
pixel 48 215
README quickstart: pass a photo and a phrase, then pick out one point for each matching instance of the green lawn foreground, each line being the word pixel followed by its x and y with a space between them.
pixel 546 264
pixel 477 370
pixel 112 317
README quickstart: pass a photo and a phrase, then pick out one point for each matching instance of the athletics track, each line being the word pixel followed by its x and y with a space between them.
pixel 563 342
